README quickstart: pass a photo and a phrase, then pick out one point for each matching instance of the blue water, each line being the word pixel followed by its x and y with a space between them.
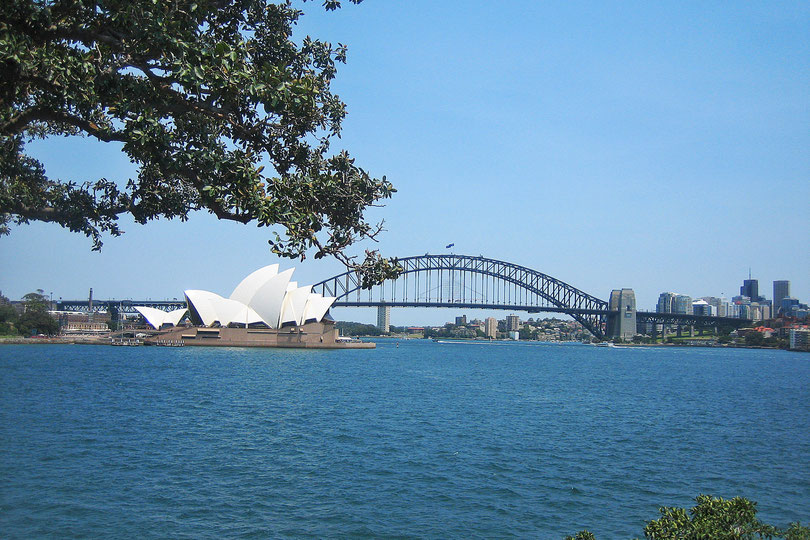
pixel 424 440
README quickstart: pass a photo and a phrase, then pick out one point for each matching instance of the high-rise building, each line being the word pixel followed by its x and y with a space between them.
pixel 384 318
pixel 799 339
pixel 787 304
pixel 750 288
pixel 491 327
pixel 665 300
pixel 461 321
pixel 781 289
pixel 682 304
pixel 512 323
pixel 732 310
pixel 669 302
pixel 702 307
pixel 720 305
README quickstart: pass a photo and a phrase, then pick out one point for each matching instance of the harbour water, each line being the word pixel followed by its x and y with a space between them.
pixel 423 440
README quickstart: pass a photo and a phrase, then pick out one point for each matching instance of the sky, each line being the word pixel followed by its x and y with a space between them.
pixel 660 146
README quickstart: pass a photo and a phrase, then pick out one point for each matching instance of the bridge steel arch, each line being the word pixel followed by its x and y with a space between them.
pixel 471 282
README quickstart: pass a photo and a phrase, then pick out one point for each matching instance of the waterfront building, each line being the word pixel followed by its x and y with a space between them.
pixel 266 309
pixel 476 324
pixel 491 329
pixel 800 339
pixel 82 323
pixel 264 299
pixel 512 323
pixel 781 290
pixel 157 318
pixel 384 318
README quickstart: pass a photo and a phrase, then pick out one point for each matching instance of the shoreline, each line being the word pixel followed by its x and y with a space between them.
pixel 106 340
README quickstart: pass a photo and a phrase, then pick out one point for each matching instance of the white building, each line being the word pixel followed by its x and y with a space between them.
pixel 264 299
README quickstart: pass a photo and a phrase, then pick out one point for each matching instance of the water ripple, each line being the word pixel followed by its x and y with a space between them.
pixel 410 442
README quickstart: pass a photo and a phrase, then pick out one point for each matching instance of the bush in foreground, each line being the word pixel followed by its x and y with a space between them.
pixel 712 519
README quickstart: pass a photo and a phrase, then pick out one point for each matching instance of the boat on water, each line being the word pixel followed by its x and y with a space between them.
pixel 126 342
pixel 605 344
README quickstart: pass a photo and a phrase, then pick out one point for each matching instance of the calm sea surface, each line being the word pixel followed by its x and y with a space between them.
pixel 425 440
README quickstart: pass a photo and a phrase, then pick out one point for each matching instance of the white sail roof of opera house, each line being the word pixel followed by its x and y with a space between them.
pixel 269 298
pixel 317 306
pixel 157 317
pixel 292 310
pixel 247 288
pixel 212 308
pixel 265 296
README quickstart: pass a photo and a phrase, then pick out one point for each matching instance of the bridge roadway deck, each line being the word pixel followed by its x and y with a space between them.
pixel 470 305
pixel 641 316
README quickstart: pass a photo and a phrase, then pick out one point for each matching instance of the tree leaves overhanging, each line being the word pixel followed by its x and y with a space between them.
pixel 212 100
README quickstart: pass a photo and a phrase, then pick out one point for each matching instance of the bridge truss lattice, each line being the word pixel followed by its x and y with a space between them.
pixel 464 281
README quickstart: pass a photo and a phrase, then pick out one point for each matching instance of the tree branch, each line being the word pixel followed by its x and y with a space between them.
pixel 41 114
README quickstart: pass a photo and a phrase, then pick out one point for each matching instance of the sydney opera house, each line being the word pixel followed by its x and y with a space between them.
pixel 266 309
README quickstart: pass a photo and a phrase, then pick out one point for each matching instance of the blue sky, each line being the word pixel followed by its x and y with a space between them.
pixel 658 146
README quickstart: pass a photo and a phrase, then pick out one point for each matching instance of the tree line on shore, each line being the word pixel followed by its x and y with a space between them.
pixel 34 318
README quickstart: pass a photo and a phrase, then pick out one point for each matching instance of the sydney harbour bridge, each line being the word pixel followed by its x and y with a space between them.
pixel 477 282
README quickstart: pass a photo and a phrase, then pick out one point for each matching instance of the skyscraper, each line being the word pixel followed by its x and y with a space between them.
pixel 512 323
pixel 491 327
pixel 750 288
pixel 781 289
pixel 669 302
pixel 682 304
pixel 384 318
pixel 665 300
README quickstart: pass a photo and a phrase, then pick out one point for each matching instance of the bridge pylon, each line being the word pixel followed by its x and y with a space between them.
pixel 621 321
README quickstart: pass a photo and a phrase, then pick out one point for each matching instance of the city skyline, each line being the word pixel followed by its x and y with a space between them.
pixel 514 132
pixel 668 302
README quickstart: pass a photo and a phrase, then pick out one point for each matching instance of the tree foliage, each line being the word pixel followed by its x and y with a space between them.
pixel 8 317
pixel 584 534
pixel 212 100
pixel 755 338
pixel 710 518
pixel 713 518
pixel 36 319
pixel 347 328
